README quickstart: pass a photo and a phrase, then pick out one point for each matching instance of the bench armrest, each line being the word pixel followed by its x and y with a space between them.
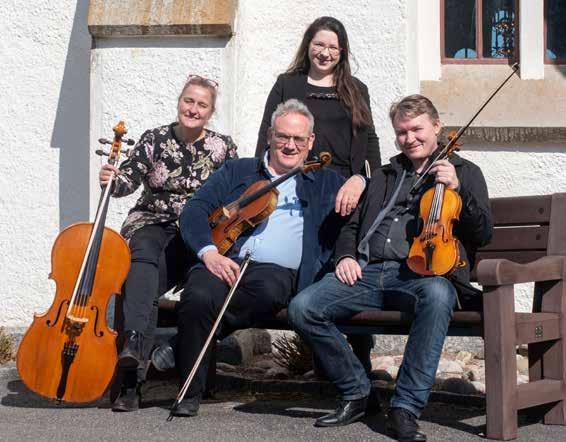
pixel 495 272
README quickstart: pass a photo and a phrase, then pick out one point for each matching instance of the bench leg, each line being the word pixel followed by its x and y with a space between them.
pixel 500 362
pixel 553 365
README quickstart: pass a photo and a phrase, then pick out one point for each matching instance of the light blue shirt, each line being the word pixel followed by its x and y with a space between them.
pixel 279 240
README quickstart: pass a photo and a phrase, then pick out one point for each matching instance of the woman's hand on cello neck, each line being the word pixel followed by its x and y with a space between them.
pixel 105 174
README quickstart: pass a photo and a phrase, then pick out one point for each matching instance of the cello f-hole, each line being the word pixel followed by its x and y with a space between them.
pixel 49 323
pixel 97 333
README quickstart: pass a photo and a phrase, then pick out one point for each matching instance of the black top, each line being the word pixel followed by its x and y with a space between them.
pixel 392 239
pixel 349 151
pixel 332 127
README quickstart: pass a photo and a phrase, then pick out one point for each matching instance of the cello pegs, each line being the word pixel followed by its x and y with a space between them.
pixel 104 141
pixel 100 152
pixel 129 142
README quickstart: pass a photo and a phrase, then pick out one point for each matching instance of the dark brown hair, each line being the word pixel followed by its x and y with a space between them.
pixel 347 89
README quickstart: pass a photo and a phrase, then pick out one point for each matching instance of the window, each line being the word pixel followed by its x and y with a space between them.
pixel 555 32
pixel 479 31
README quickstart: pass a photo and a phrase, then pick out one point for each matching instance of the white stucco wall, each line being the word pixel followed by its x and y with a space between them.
pixel 59 97
pixel 44 122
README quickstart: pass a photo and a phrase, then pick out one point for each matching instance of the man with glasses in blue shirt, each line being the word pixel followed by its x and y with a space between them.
pixel 288 250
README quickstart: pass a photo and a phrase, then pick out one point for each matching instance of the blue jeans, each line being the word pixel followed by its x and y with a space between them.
pixel 387 285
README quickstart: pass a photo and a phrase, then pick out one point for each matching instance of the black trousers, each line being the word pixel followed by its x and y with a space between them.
pixel 263 290
pixel 159 262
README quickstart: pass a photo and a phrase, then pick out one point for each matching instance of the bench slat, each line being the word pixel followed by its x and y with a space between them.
pixel 520 256
pixel 538 393
pixel 521 210
pixel 537 327
pixel 519 238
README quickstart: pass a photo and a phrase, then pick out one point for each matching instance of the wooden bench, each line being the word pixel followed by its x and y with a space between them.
pixel 528 245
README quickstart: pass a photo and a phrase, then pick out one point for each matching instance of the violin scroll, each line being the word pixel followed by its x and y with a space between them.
pixel 322 161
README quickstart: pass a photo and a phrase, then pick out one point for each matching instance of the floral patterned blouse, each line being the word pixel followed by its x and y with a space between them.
pixel 171 171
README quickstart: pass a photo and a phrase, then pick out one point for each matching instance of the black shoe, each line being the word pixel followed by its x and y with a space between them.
pixel 402 425
pixel 163 357
pixel 188 407
pixel 346 413
pixel 131 354
pixel 374 402
pixel 128 400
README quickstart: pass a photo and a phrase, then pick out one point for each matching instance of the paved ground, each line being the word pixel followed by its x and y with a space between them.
pixel 232 417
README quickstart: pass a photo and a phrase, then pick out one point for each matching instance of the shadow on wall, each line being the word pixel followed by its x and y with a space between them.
pixel 560 68
pixel 71 128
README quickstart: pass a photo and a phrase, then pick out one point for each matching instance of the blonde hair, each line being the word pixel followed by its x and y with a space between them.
pixel 412 106
pixel 202 82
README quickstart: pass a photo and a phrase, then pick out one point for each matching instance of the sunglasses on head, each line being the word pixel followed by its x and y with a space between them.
pixel 208 81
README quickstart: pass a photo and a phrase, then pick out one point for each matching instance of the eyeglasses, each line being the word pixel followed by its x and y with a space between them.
pixel 284 139
pixel 208 81
pixel 318 48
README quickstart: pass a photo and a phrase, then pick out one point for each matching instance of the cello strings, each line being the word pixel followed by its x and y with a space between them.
pixel 71 308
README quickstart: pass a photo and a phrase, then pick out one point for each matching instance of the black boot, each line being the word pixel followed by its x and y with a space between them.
pixel 128 400
pixel 374 402
pixel 402 425
pixel 188 407
pixel 131 355
pixel 346 413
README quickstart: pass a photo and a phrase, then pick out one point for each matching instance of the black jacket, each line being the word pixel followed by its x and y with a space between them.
pixel 474 228
pixel 365 145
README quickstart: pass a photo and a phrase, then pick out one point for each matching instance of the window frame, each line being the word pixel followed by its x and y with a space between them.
pixel 479 39
pixel 548 60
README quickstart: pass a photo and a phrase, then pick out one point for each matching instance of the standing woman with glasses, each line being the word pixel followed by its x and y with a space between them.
pixel 171 162
pixel 320 76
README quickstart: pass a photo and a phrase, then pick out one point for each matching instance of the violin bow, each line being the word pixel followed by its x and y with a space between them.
pixel 450 146
pixel 185 387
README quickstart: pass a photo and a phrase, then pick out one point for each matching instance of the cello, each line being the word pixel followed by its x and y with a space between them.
pixel 69 352
pixel 436 251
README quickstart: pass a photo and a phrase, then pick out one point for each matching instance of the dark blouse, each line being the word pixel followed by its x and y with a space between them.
pixel 333 131
pixel 171 171
pixel 332 127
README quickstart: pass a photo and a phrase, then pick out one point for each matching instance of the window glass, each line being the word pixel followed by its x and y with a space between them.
pixel 460 28
pixel 479 30
pixel 555 29
pixel 498 28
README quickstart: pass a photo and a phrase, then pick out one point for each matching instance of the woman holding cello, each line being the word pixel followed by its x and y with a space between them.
pixel 171 162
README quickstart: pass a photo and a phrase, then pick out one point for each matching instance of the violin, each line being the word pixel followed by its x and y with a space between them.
pixel 435 251
pixel 69 352
pixel 253 207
